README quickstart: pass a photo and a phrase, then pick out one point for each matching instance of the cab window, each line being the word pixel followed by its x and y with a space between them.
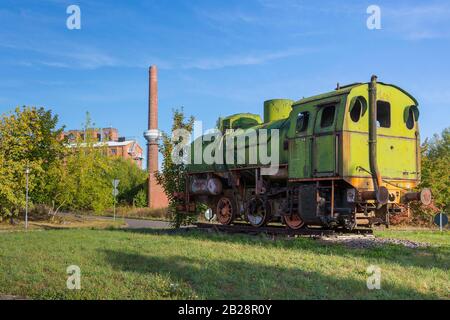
pixel 358 108
pixel 327 118
pixel 383 114
pixel 410 119
pixel 302 122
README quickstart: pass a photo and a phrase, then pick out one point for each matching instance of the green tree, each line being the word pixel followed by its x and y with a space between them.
pixel 173 176
pixel 435 168
pixel 132 181
pixel 83 181
pixel 28 139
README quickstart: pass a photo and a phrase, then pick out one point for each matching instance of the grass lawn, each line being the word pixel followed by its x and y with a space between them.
pixel 138 264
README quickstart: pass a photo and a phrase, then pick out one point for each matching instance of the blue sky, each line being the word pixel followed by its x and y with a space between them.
pixel 216 57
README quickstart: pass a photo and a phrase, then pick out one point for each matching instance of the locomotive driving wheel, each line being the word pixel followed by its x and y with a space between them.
pixel 258 212
pixel 226 210
pixel 294 221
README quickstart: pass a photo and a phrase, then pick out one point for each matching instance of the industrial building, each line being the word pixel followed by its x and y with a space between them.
pixel 107 137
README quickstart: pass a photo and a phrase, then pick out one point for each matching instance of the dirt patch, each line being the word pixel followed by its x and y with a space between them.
pixel 11 297
pixel 362 242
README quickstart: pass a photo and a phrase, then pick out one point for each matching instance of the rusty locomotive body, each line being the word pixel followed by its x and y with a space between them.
pixel 347 158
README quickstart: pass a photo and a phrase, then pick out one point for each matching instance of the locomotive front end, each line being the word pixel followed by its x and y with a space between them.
pixel 383 179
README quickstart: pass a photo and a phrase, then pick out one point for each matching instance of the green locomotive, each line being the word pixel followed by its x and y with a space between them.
pixel 346 158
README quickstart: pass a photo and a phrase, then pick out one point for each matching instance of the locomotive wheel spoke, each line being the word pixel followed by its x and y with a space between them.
pixel 225 211
pixel 257 213
pixel 294 221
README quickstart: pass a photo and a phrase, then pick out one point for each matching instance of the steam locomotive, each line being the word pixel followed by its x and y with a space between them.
pixel 347 158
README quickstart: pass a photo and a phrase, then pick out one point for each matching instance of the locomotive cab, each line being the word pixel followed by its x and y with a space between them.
pixel 357 150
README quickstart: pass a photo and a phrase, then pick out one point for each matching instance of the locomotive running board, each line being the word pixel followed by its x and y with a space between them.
pixel 273 230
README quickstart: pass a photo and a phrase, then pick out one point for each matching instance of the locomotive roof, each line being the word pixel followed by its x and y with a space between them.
pixel 346 90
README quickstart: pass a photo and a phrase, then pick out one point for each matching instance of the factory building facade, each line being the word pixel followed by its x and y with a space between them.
pixel 108 138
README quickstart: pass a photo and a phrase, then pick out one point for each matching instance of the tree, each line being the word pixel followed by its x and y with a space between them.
pixel 435 168
pixel 28 139
pixel 173 176
pixel 82 182
pixel 132 181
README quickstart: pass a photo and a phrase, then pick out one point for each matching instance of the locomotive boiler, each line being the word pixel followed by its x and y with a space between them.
pixel 346 158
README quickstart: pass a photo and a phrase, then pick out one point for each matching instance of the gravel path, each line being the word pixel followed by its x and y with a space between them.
pixel 361 242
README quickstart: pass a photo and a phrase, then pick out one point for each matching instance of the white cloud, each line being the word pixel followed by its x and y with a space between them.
pixel 64 55
pixel 242 59
pixel 421 22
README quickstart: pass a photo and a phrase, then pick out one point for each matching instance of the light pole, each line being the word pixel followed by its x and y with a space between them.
pixel 27 172
pixel 115 193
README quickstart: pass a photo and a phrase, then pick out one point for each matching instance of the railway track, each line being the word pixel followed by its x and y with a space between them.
pixel 274 230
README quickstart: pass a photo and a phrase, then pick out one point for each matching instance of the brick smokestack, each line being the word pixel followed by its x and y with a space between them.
pixel 156 196
pixel 152 145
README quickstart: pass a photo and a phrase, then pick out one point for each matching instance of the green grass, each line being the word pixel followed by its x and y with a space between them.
pixel 138 264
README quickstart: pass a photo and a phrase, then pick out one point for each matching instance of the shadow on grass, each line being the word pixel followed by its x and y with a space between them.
pixel 228 279
pixel 425 258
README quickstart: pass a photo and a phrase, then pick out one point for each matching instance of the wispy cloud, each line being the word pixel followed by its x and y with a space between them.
pixel 245 59
pixel 228 16
pixel 64 55
pixel 419 22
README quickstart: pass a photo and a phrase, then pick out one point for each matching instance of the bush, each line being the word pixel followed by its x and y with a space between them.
pixel 436 176
pixel 173 175
pixel 140 199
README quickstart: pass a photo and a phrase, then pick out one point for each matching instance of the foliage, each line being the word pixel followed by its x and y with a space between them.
pixel 140 199
pixel 435 168
pixel 62 176
pixel 435 175
pixel 173 176
pixel 81 181
pixel 28 139
pixel 132 181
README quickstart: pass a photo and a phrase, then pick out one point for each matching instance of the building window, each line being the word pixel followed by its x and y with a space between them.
pixel 114 152
pixel 99 137
pixel 302 122
pixel 383 114
pixel 327 118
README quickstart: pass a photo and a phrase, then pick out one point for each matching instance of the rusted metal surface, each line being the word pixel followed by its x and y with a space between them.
pixel 423 196
pixel 212 186
pixel 373 132
pixel 381 195
pixel 294 221
pixel 258 212
pixel 225 210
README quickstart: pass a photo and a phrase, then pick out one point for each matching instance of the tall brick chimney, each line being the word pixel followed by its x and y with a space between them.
pixel 156 196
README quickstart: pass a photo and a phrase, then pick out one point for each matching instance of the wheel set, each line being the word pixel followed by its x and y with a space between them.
pixel 257 213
